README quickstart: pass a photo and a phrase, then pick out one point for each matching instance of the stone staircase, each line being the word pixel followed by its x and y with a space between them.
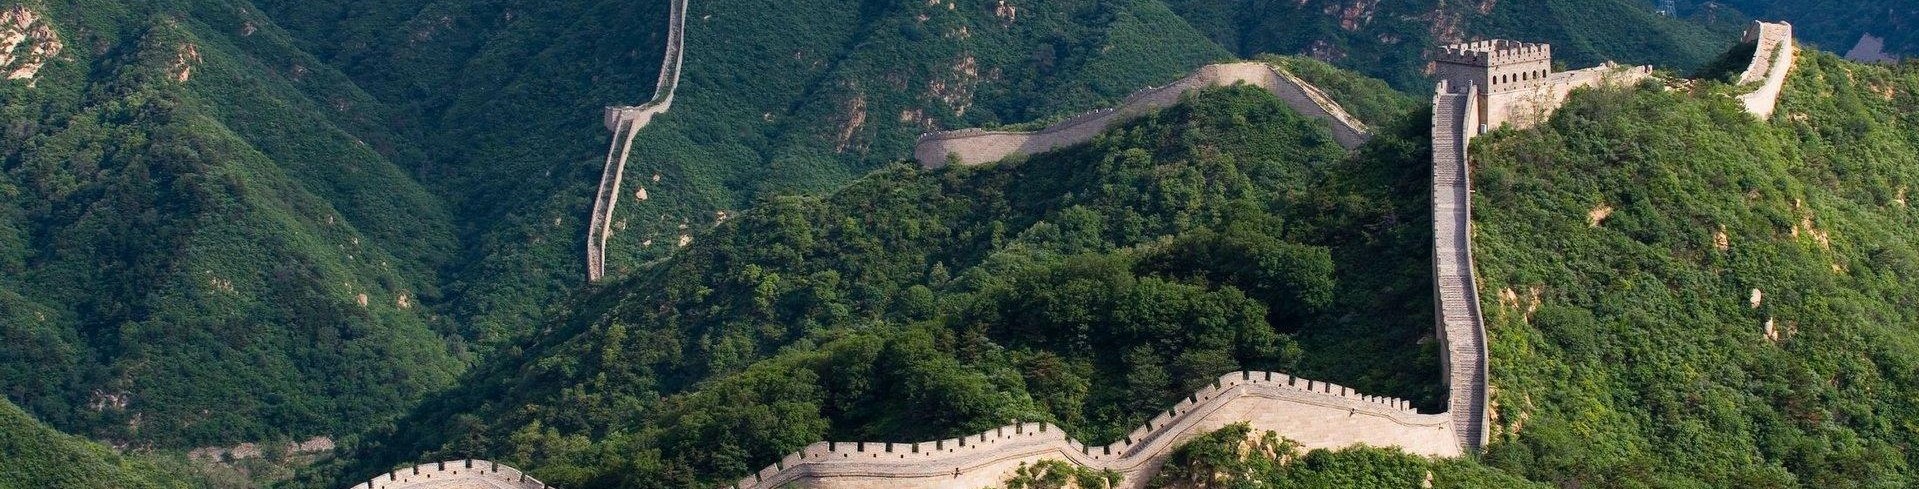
pixel 1461 328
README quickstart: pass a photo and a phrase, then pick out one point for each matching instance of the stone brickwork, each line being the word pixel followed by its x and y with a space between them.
pixel 1771 62
pixel 1515 82
pixel 454 474
pixel 1316 414
pixel 1461 328
pixel 626 122
pixel 976 146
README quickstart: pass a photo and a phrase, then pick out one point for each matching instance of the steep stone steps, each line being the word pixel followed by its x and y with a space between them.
pixel 1461 327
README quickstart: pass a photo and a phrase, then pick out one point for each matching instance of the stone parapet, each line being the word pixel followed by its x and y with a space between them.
pixel 467 473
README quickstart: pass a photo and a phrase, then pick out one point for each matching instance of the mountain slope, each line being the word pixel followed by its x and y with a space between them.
pixel 1832 25
pixel 968 296
pixel 38 456
pixel 776 97
pixel 201 244
pixel 1680 295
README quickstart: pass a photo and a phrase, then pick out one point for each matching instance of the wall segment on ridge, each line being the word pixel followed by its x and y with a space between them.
pixel 1771 62
pixel 1316 414
pixel 976 146
pixel 454 474
pixel 626 122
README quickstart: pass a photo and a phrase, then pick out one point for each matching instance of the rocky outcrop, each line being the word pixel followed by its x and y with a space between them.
pixel 1316 414
pixel 626 122
pixel 976 146
pixel 27 43
pixel 1771 62
pixel 460 474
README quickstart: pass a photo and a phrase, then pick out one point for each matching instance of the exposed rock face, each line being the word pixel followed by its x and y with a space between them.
pixel 27 43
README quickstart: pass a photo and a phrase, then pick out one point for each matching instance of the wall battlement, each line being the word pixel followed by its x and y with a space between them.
pixel 454 473
pixel 1318 414
pixel 1493 52
pixel 975 146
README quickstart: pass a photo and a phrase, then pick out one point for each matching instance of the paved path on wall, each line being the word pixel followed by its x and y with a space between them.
pixel 1771 62
pixel 977 146
pixel 1461 327
pixel 626 122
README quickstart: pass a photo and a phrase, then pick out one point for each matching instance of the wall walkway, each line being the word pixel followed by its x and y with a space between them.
pixel 626 122
pixel 1771 62
pixel 454 474
pixel 1462 330
pixel 976 146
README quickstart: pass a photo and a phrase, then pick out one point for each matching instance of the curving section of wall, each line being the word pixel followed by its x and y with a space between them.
pixel 454 474
pixel 626 122
pixel 976 146
pixel 1771 62
pixel 1316 414
pixel 1462 330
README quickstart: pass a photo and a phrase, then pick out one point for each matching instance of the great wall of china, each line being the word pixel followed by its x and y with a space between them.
pixel 1482 86
pixel 1771 62
pixel 976 146
pixel 454 474
pixel 626 122
pixel 1315 414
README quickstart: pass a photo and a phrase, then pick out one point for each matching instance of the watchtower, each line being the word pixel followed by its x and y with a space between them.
pixel 1514 80
pixel 1496 66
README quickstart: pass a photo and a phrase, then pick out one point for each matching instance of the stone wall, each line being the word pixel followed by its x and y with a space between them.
pixel 469 473
pixel 1460 327
pixel 1316 414
pixel 626 122
pixel 1771 62
pixel 1528 105
pixel 976 146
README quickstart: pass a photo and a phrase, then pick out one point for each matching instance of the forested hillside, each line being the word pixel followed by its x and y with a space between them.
pixel 38 456
pixel 1090 287
pixel 776 96
pixel 198 241
pixel 225 221
pixel 1680 295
